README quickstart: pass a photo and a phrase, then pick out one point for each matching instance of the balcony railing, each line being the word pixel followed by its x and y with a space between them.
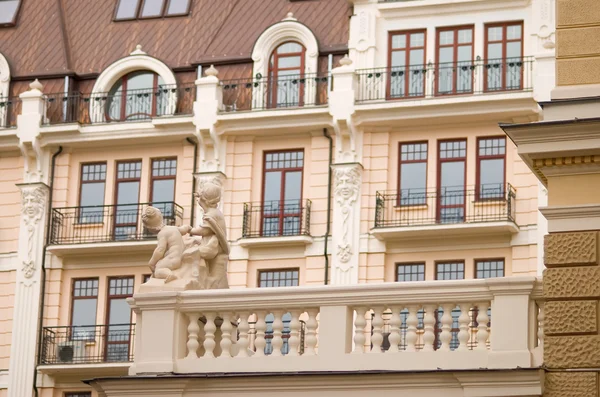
pixel 428 325
pixel 261 93
pixel 9 109
pixel 133 105
pixel 276 219
pixel 107 223
pixel 450 205
pixel 87 344
pixel 445 79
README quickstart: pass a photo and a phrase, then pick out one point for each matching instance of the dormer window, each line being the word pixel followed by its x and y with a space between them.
pixel 8 12
pixel 140 9
pixel 286 72
pixel 138 96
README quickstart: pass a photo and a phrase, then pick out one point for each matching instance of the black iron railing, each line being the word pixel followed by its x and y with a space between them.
pixel 87 344
pixel 106 223
pixel 443 79
pixel 133 105
pixel 450 205
pixel 261 93
pixel 9 109
pixel 276 218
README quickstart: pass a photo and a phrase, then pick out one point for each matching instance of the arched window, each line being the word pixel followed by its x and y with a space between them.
pixel 137 96
pixel 286 75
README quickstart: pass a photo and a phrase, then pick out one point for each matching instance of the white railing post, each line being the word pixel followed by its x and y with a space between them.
pixel 342 98
pixel 335 330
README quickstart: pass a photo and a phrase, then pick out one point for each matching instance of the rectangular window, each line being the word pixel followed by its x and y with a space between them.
pixel 91 193
pixel 413 173
pixel 455 60
pixel 132 9
pixel 407 64
pixel 451 181
pixel 503 56
pixel 79 394
pixel 450 270
pixel 162 187
pixel 410 272
pixel 278 278
pixel 489 268
pixel 118 333
pixel 127 192
pixel 8 12
pixel 491 159
pixel 282 194
pixel 83 308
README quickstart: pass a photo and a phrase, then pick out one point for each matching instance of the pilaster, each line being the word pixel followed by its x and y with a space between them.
pixel 346 222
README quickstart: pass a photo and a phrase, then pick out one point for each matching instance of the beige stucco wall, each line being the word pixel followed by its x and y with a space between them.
pixel 11 173
pixel 573 189
pixel 7 292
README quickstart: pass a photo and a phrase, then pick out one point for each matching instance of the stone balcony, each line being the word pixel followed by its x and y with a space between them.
pixel 419 326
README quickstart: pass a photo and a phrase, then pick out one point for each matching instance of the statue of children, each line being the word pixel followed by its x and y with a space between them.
pixel 170 247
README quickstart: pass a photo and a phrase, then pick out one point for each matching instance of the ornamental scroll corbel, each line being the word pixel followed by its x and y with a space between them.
pixel 33 204
pixel 346 191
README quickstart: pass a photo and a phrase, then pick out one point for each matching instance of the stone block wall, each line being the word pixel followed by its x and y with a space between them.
pixel 572 292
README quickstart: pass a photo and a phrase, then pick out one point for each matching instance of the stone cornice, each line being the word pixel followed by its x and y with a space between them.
pixel 572 218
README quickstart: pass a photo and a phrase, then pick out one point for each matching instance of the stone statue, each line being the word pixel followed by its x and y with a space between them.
pixel 189 258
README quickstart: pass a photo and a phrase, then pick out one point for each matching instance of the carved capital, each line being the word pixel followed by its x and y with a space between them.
pixel 34 201
pixel 347 182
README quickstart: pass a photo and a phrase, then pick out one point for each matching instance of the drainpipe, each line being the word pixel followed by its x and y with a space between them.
pixel 43 281
pixel 193 213
pixel 325 245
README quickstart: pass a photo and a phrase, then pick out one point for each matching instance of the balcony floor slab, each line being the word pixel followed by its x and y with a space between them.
pixel 128 247
pixel 450 230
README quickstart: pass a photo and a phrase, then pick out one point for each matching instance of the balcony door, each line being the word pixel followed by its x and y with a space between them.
pixel 504 56
pixel 455 60
pixel 127 196
pixel 136 96
pixel 451 181
pixel 407 65
pixel 286 76
pixel 117 341
pixel 282 193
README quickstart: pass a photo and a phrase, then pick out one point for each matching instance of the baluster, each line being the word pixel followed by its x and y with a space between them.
pixel 261 327
pixel 463 326
pixel 482 330
pixel 209 335
pixel 412 321
pixel 294 340
pixel 226 342
pixel 359 330
pixel 193 331
pixel 540 330
pixel 311 332
pixel 429 328
pixel 377 338
pixel 243 342
pixel 277 341
pixel 395 324
pixel 446 334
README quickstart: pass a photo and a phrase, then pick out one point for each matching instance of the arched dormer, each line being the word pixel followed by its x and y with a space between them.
pixel 284 53
pixel 136 87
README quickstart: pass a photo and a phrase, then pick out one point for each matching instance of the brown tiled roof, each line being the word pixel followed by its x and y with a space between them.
pixel 83 39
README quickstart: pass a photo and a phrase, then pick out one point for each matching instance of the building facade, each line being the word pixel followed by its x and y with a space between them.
pixel 356 142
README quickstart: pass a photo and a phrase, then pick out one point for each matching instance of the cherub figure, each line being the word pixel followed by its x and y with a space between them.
pixel 170 247
pixel 214 248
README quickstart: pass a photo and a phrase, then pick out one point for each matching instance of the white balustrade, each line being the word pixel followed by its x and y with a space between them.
pixel 465 324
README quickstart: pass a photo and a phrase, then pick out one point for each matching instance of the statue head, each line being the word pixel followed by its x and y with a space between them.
pixel 152 219
pixel 208 195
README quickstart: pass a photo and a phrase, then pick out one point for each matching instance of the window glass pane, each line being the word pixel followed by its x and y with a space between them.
pixel 411 272
pixel 446 54
pixel 465 36
pixel 513 32
pixel 84 312
pixel 447 38
pixel 178 7
pixel 8 8
pixel 92 194
pixel 293 186
pixel 120 312
pixel 491 178
pixel 289 48
pixel 290 62
pixel 417 40
pixel 152 8
pixel 272 186
pixel 399 41
pixel 128 193
pixel 513 49
pixel 464 53
pixel 490 268
pixel 127 9
pixel 495 34
pixel 417 57
pixel 398 58
pixel 413 177
pixel 450 271
pixel 453 174
pixel 163 190
pixel 140 80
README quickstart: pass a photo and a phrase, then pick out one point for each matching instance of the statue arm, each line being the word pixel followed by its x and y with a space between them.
pixel 200 231
pixel 185 229
pixel 211 249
